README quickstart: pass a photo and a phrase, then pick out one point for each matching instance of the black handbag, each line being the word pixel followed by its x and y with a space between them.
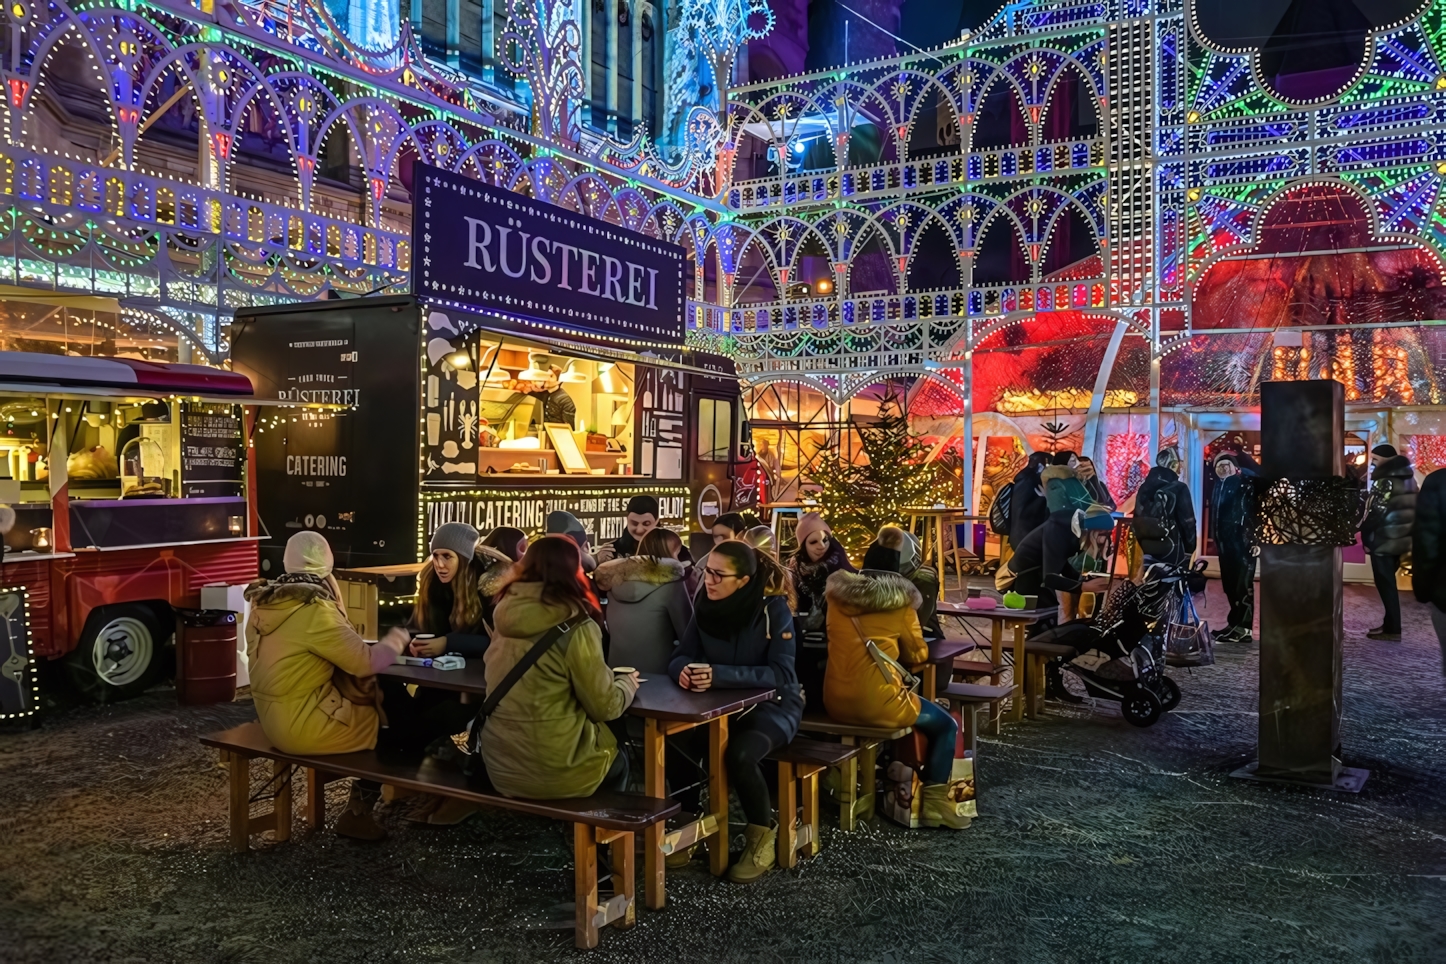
pixel 475 767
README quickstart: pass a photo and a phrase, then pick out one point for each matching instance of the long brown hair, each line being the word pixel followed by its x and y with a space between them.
pixel 505 540
pixel 660 543
pixel 777 581
pixel 556 562
pixel 467 603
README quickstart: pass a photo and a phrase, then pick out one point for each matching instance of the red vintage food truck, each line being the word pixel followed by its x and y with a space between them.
pixel 128 483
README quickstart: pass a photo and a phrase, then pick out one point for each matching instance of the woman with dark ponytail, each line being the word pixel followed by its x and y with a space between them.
pixel 741 637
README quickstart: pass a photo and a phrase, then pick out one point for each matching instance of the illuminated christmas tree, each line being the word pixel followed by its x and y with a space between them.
pixel 858 497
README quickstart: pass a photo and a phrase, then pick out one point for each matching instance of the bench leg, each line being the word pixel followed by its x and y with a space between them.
pixel 316 782
pixel 809 786
pixel 240 784
pixel 625 879
pixel 584 849
pixel 848 789
pixel 868 789
pixel 1016 712
pixel 654 783
pixel 996 656
pixel 718 794
pixel 969 725
pixel 787 814
pixel 281 805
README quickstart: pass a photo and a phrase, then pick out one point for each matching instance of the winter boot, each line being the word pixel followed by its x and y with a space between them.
pixel 1385 635
pixel 679 859
pixel 356 821
pixel 758 857
pixel 1054 684
pixel 451 812
pixel 937 810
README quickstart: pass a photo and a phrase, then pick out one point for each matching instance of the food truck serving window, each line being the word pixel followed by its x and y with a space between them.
pixel 501 405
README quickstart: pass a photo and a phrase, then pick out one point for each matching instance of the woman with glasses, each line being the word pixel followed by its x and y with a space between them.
pixel 819 556
pixel 741 637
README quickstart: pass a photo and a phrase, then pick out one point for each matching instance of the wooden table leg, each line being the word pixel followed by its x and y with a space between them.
pixel 281 805
pixel 584 855
pixel 625 878
pixel 240 784
pixel 654 782
pixel 939 550
pixel 718 794
pixel 996 657
pixel 929 684
pixel 316 782
pixel 1016 713
pixel 848 788
pixel 810 810
pixel 868 780
pixel 787 814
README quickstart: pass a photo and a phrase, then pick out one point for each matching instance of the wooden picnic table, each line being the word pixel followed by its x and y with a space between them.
pixel 942 652
pixel 667 708
pixel 1000 619
pixel 470 680
pixel 936 519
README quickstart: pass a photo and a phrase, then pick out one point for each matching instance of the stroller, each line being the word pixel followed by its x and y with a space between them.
pixel 1122 654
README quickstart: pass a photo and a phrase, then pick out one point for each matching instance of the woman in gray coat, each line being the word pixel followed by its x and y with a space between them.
pixel 648 606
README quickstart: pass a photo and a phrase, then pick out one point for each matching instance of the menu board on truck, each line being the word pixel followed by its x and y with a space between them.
pixel 211 448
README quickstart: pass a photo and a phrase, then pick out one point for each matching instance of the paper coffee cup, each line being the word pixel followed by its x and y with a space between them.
pixel 624 670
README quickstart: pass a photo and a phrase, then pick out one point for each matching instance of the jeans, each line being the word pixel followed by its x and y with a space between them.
pixel 1438 622
pixel 1237 578
pixel 940 730
pixel 1383 570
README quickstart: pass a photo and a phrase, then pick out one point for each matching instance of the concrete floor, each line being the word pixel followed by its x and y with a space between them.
pixel 1098 842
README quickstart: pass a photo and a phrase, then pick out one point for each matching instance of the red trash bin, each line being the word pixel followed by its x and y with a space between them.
pixel 205 656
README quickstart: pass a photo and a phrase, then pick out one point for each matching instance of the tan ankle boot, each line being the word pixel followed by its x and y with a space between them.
pixel 758 857
pixel 356 821
pixel 938 810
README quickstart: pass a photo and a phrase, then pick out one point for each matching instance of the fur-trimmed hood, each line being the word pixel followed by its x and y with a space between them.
pixel 634 578
pixel 855 594
pixel 495 566
pixel 273 603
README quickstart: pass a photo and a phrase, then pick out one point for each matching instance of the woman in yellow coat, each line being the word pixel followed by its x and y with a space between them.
pixel 873 632
pixel 311 673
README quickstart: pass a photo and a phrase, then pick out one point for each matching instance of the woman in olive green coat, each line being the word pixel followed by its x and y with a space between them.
pixel 547 738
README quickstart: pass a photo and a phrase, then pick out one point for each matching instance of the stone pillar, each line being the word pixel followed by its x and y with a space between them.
pixel 1302 437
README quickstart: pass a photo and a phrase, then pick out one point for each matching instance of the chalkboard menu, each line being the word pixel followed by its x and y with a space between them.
pixel 211 450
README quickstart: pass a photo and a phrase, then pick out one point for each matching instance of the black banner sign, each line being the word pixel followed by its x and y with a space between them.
pixel 475 246
pixel 211 447
pixel 602 513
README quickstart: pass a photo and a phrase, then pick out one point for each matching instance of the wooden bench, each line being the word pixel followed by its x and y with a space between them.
pixel 970 698
pixel 603 818
pixel 1036 654
pixel 858 788
pixel 803 760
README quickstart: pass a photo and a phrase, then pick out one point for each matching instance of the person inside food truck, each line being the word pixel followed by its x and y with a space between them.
pixel 642 518
pixel 558 407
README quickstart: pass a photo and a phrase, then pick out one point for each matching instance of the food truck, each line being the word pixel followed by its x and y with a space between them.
pixel 490 399
pixel 127 479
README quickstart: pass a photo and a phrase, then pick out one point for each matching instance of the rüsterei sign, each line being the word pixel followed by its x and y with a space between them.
pixel 475 246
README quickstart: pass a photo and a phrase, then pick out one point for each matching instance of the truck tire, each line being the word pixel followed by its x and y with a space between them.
pixel 120 654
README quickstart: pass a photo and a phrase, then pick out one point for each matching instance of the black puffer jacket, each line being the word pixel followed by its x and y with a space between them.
pixel 1387 528
pixel 1428 542
pixel 1028 507
pixel 1164 520
pixel 1229 506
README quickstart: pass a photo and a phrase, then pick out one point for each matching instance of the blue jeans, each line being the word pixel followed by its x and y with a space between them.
pixel 940 729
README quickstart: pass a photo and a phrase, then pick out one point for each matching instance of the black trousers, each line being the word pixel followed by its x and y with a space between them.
pixel 415 721
pixel 1237 578
pixel 1383 570
pixel 747 746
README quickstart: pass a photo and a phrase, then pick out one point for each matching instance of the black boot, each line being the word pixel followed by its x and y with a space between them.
pixel 1054 684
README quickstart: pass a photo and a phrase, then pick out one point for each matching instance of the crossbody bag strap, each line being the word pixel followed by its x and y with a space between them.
pixel 886 663
pixel 543 644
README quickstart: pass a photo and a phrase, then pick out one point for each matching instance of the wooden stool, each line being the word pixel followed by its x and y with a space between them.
pixel 803 760
pixel 1036 654
pixel 970 698
pixel 858 787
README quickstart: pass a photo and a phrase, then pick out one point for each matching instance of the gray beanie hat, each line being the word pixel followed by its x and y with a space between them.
pixel 566 524
pixel 457 536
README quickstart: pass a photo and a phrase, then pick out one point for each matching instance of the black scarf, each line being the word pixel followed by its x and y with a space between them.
pixel 625 544
pixel 725 618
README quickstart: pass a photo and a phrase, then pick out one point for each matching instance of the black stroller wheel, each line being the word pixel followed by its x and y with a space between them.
pixel 1169 694
pixel 1141 707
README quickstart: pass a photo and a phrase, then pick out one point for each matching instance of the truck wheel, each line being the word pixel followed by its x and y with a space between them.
pixel 119 655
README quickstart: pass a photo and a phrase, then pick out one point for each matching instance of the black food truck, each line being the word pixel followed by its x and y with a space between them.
pixel 470 406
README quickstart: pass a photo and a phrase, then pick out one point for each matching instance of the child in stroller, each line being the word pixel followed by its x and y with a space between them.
pixel 1120 654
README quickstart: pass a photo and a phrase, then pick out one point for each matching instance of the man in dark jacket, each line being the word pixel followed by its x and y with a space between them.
pixel 1027 505
pixel 1386 531
pixel 1164 521
pixel 1428 553
pixel 1229 501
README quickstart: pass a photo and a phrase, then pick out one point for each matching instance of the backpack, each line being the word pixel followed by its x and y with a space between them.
pixel 1155 527
pixel 999 510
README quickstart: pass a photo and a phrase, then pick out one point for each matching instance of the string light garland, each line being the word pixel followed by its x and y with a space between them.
pixel 25 676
